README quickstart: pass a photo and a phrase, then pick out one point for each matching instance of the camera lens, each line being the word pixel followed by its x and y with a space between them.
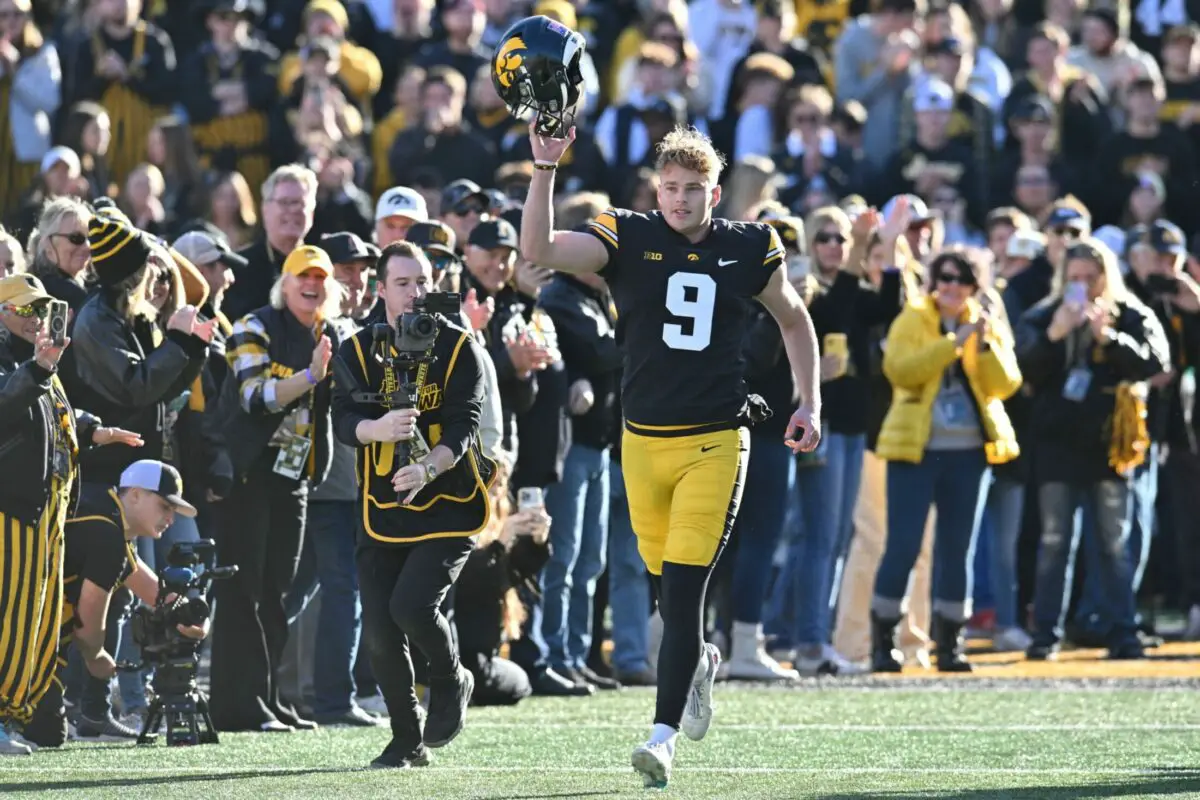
pixel 192 612
pixel 424 325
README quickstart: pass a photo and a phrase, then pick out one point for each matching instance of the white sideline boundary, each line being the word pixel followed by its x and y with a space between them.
pixel 837 728
pixel 436 769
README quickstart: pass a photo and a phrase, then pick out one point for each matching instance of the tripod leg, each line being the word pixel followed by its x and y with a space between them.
pixel 149 733
pixel 209 735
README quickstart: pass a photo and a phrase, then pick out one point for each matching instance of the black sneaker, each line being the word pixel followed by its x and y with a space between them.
pixel 587 675
pixel 548 683
pixel 448 701
pixel 353 716
pixel 1042 651
pixel 104 730
pixel 396 758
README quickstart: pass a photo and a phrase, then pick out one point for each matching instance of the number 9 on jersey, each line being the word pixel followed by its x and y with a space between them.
pixel 698 309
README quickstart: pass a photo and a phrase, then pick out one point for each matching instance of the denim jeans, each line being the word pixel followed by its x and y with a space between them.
pixel 578 506
pixel 807 587
pixel 331 525
pixel 628 586
pixel 1109 505
pixel 1144 491
pixel 955 481
pixel 132 685
pixel 1005 507
pixel 759 523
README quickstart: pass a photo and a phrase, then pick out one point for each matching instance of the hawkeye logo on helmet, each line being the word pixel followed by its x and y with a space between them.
pixel 509 59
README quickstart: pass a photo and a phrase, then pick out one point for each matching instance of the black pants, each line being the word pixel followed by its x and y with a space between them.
pixel 498 681
pixel 681 591
pixel 261 531
pixel 402 590
pixel 1183 472
pixel 48 727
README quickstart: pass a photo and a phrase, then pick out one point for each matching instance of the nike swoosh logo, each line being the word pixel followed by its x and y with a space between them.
pixel 706 448
pixel 723 263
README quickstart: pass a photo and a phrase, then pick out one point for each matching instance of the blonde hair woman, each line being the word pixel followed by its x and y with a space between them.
pixel 1086 351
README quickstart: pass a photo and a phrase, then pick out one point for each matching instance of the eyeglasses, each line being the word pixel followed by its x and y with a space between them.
pixel 1066 233
pixel 441 261
pixel 469 207
pixel 74 237
pixel 163 277
pixel 39 310
pixel 806 119
pixel 829 238
pixel 954 277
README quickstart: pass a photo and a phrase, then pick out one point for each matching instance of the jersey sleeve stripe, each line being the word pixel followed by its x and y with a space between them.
pixel 774 255
pixel 604 232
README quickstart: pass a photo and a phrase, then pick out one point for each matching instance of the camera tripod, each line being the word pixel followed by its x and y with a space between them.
pixel 179 703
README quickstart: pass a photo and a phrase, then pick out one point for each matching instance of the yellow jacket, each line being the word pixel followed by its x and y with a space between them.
pixel 916 355
pixel 360 71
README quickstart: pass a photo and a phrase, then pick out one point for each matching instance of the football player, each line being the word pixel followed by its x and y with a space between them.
pixel 680 280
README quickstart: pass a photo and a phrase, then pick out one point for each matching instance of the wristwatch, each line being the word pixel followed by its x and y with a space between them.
pixel 431 471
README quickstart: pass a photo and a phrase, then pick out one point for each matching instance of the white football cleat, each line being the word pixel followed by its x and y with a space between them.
pixel 698 713
pixel 653 762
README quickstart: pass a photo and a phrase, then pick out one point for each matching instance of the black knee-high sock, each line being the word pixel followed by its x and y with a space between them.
pixel 681 602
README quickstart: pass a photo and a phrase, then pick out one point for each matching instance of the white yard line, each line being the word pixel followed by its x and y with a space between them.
pixel 837 728
pixel 131 771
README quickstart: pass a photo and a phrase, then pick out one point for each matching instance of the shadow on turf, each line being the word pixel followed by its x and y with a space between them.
pixel 544 796
pixel 151 780
pixel 1168 781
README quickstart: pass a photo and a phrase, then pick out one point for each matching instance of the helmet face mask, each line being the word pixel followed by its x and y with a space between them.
pixel 536 73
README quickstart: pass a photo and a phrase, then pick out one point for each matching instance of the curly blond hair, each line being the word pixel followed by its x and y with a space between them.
pixel 692 150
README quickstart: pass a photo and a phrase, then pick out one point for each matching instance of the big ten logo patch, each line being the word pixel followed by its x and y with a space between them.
pixel 429 398
pixel 650 255
pixel 281 372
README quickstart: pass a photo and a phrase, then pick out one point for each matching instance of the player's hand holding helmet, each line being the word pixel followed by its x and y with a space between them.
pixel 535 70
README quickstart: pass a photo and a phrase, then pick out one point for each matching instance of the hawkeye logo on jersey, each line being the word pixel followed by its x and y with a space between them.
pixel 693 257
pixel 509 59
pixel 650 255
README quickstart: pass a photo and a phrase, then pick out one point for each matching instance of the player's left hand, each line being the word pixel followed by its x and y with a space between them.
pixel 409 479
pixel 808 425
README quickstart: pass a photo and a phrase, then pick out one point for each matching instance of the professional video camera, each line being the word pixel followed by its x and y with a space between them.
pixel 175 657
pixel 400 349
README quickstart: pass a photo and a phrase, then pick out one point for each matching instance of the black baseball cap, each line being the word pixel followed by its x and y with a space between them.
pixel 162 479
pixel 1166 237
pixel 1034 108
pixel 493 233
pixel 434 236
pixel 461 192
pixel 345 247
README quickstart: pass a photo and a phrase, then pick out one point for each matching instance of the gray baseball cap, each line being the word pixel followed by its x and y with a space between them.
pixel 203 248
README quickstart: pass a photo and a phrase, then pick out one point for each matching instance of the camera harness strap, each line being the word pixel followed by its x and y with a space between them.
pixel 391 384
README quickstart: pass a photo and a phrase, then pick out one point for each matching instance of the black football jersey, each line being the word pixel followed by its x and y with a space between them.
pixel 682 313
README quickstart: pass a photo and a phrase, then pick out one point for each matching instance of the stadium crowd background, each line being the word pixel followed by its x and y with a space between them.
pixel 1016 131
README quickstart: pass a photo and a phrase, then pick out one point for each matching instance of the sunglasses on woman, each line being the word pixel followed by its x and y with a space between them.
pixel 39 310
pixel 75 237
pixel 829 238
pixel 954 277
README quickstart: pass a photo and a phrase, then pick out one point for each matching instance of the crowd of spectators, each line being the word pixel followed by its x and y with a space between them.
pixel 1015 173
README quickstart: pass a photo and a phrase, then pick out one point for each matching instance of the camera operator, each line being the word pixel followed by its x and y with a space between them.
pixel 40 437
pixel 98 556
pixel 418 518
pixel 274 409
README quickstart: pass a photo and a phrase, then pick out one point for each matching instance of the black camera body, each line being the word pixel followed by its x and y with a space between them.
pixel 182 586
pixel 417 330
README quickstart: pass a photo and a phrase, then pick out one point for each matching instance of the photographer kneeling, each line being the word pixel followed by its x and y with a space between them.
pixel 420 506
pixel 98 557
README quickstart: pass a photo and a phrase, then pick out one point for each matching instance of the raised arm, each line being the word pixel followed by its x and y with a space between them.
pixel 565 251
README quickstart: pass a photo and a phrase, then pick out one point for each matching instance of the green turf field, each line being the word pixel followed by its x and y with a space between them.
pixel 822 739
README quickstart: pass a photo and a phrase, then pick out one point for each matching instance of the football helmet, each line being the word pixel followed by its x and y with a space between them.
pixel 535 70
